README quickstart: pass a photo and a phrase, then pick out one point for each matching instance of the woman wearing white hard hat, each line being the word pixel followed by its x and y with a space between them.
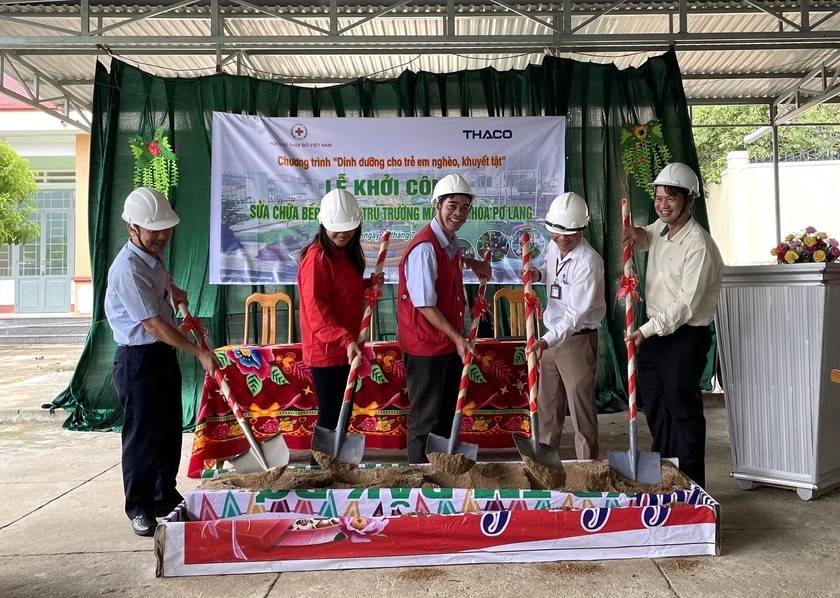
pixel 430 315
pixel 682 286
pixel 139 307
pixel 573 273
pixel 331 285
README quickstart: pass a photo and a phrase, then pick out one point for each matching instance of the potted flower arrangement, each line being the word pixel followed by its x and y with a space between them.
pixel 807 246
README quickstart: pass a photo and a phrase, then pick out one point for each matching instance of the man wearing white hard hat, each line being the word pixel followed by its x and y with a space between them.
pixel 568 352
pixel 139 307
pixel 682 286
pixel 430 315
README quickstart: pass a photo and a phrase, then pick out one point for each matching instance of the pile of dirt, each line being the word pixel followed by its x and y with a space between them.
pixel 579 476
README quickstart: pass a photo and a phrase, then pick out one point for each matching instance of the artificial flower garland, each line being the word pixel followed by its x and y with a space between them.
pixel 644 153
pixel 155 164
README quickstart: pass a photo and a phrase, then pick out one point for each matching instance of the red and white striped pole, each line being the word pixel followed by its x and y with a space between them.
pixel 628 289
pixel 477 312
pixel 372 295
pixel 531 301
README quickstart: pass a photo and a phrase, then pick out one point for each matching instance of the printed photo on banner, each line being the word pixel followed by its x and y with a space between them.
pixel 269 175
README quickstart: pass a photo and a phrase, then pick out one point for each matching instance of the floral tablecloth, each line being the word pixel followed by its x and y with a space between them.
pixel 274 388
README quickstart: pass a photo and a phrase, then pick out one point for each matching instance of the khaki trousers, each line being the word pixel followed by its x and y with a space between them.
pixel 567 377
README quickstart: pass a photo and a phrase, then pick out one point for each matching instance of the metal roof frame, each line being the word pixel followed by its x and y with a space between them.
pixel 722 45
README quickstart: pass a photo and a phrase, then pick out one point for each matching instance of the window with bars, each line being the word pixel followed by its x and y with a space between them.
pixel 5 260
pixel 46 199
pixel 51 177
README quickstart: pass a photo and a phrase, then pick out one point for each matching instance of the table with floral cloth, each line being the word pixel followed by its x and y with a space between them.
pixel 274 388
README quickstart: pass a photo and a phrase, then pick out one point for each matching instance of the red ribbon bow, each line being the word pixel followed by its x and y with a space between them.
pixel 193 324
pixel 372 294
pixel 479 310
pixel 532 301
pixel 628 286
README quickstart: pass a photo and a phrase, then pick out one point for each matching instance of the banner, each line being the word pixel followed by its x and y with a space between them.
pixel 269 175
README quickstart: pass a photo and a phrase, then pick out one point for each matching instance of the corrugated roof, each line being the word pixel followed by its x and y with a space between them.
pixel 714 73
pixel 8 103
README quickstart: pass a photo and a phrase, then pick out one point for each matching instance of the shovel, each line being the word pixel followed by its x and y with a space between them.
pixel 337 443
pixel 633 465
pixel 451 445
pixel 531 447
pixel 261 456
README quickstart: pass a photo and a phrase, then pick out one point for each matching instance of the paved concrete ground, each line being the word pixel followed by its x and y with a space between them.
pixel 63 532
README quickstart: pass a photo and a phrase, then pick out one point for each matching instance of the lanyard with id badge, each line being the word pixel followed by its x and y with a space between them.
pixel 554 292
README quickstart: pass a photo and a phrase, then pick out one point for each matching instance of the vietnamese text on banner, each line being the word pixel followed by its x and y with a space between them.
pixel 269 175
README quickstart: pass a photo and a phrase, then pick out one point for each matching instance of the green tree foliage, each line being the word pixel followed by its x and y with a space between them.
pixel 17 195
pixel 734 122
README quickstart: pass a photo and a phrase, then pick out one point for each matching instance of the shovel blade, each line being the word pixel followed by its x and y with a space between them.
pixel 439 444
pixel 645 468
pixel 536 451
pixel 274 450
pixel 349 448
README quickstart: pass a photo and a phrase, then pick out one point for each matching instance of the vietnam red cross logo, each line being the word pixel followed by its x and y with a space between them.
pixel 299 132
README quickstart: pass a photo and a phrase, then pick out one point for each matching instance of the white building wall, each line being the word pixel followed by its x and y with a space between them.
pixel 7 292
pixel 742 213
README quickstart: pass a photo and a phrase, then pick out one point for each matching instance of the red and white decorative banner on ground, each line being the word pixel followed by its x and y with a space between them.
pixel 252 532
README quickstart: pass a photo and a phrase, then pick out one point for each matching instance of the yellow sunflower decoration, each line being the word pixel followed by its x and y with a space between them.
pixel 644 153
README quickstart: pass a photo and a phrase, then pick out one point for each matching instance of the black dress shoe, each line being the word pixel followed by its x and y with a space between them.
pixel 144 525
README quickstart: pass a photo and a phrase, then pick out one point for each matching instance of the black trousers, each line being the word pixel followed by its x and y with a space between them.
pixel 433 383
pixel 148 383
pixel 669 372
pixel 330 383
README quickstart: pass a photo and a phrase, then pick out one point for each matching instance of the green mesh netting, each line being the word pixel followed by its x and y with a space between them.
pixel 596 99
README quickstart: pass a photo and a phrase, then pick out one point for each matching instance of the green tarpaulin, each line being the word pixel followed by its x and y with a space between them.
pixel 597 99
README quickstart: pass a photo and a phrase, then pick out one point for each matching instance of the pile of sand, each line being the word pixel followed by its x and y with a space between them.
pixel 582 476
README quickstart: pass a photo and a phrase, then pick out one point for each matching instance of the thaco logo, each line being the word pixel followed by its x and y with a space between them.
pixel 487 134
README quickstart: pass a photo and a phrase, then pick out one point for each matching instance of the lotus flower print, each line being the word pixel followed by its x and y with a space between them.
pixel 360 529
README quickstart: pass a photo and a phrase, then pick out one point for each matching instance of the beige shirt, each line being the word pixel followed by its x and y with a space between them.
pixel 684 276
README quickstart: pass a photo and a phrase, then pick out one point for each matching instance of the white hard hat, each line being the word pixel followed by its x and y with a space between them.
pixel 677 174
pixel 340 211
pixel 567 214
pixel 150 209
pixel 452 184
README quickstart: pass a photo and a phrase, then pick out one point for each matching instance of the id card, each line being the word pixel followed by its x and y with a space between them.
pixel 555 291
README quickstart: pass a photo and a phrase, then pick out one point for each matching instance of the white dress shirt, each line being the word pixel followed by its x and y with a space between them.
pixel 421 268
pixel 582 303
pixel 684 275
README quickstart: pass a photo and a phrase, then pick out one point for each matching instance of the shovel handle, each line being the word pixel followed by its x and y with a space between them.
pixel 227 393
pixel 366 320
pixel 629 317
pixel 529 324
pixel 468 358
pixel 374 290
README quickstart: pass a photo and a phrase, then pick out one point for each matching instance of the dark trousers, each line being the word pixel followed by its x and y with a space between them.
pixel 669 372
pixel 433 383
pixel 330 383
pixel 148 383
